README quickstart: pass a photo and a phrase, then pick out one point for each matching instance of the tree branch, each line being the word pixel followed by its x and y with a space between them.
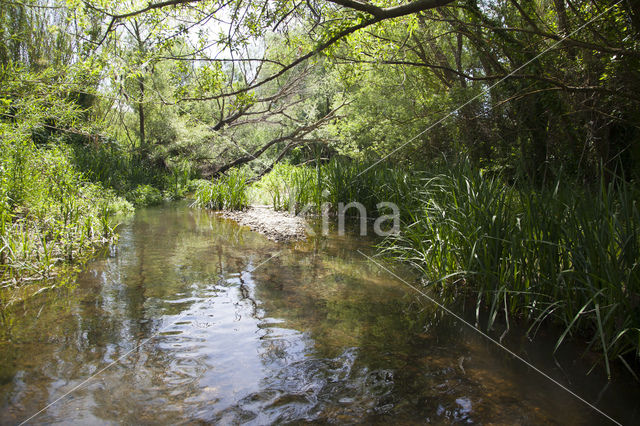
pixel 297 134
pixel 391 12
pixel 559 85
pixel 388 13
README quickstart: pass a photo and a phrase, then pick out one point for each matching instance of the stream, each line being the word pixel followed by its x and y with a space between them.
pixel 191 319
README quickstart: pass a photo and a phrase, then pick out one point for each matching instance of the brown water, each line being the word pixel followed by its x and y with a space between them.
pixel 193 327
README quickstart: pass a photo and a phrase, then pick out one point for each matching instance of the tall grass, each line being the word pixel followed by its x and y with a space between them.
pixel 291 188
pixel 555 254
pixel 339 181
pixel 130 173
pixel 226 193
pixel 114 167
pixel 369 184
pixel 552 255
pixel 49 214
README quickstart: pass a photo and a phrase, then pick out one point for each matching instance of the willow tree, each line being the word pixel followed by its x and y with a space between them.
pixel 519 82
pixel 227 63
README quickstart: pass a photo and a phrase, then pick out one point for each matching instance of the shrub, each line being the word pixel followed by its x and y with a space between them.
pixel 145 195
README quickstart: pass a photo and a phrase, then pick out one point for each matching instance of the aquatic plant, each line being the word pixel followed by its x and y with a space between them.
pixel 49 213
pixel 345 181
pixel 520 252
pixel 228 192
pixel 290 187
pixel 549 254
pixel 338 181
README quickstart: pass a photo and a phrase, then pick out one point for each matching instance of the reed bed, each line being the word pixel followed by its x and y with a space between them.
pixel 552 255
pixel 226 193
pixel 295 188
pixel 291 188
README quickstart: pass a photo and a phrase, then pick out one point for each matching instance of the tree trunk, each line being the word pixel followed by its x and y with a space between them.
pixel 143 141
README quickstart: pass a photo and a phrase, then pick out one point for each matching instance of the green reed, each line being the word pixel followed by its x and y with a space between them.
pixel 558 255
pixel 552 255
pixel 291 188
pixel 338 181
pixel 226 193
pixel 49 213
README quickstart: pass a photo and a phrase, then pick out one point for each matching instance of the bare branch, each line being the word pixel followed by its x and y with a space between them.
pixel 149 7
pixel 296 134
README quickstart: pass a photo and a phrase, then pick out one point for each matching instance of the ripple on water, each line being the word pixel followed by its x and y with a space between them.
pixel 316 334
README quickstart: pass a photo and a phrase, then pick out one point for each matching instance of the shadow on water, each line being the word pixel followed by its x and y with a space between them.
pixel 214 334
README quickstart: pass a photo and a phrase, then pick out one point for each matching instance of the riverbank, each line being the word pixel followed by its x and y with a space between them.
pixel 476 236
pixel 275 225
pixel 50 213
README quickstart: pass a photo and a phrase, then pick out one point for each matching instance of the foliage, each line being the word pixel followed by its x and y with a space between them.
pixel 291 188
pixel 558 255
pixel 368 183
pixel 484 79
pixel 226 193
pixel 338 181
pixel 195 184
pixel 126 97
pixel 553 255
pixel 112 166
pixel 145 195
pixel 49 213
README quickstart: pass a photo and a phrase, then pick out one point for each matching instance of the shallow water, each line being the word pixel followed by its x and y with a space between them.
pixel 194 320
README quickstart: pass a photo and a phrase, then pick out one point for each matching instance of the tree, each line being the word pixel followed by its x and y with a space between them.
pixel 556 85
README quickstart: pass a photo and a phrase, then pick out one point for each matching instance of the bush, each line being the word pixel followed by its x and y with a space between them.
pixel 195 184
pixel 144 196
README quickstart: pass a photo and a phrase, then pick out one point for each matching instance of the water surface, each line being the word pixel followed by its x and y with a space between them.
pixel 199 321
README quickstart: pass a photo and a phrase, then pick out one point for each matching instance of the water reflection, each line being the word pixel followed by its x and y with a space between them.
pixel 200 330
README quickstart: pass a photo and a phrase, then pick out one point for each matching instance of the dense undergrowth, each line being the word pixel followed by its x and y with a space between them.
pixel 49 213
pixel 130 174
pixel 549 254
pixel 61 183
pixel 58 200
pixel 553 254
